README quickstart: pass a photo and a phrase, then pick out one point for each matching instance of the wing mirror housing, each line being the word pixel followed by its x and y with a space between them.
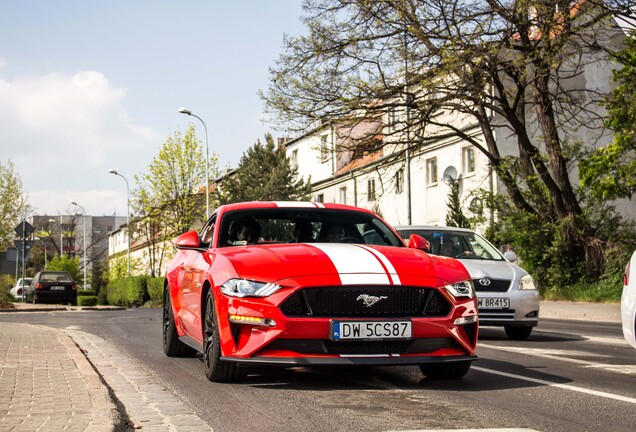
pixel 187 240
pixel 510 256
pixel 419 242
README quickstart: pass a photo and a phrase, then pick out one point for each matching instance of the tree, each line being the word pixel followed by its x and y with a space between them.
pixel 264 174
pixel 170 198
pixel 12 203
pixel 511 71
pixel 64 263
pixel 455 216
pixel 610 172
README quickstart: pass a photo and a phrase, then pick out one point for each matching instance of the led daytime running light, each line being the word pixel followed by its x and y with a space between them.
pixel 242 319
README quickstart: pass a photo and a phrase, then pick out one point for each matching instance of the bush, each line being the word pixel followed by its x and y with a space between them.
pixel 130 291
pixel 86 300
pixel 155 290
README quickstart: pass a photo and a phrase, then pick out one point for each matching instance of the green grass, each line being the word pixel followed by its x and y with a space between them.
pixel 599 292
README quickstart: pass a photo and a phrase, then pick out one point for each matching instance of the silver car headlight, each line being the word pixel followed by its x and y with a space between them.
pixel 248 288
pixel 527 283
pixel 461 289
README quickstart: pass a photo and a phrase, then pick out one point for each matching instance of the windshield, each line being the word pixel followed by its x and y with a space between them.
pixel 456 244
pixel 266 226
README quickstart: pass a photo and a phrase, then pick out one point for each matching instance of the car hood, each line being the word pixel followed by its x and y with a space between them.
pixel 343 264
pixel 503 270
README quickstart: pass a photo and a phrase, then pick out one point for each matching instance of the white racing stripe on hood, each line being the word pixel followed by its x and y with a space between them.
pixel 387 264
pixel 358 265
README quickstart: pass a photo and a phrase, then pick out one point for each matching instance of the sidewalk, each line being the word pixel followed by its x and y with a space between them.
pixel 48 384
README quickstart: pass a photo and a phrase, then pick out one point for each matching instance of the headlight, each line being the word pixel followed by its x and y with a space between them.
pixel 461 289
pixel 527 283
pixel 247 288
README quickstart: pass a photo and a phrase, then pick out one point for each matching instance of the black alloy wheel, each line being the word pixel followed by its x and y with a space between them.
pixel 216 369
pixel 172 346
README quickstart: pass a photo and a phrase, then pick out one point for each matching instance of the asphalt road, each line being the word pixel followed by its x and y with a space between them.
pixel 569 376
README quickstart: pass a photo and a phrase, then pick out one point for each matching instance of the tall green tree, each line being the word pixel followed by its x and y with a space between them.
pixel 264 174
pixel 170 197
pixel 12 203
pixel 610 172
pixel 510 72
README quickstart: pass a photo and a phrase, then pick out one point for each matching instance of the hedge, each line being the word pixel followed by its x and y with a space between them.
pixel 85 300
pixel 134 291
pixel 155 290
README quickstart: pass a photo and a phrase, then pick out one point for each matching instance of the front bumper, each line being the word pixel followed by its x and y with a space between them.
pixel 351 360
pixel 523 310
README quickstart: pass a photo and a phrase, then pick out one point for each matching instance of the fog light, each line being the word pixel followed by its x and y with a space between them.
pixel 465 320
pixel 242 319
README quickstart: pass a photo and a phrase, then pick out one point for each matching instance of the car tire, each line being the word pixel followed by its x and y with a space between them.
pixel 215 369
pixel 518 332
pixel 445 371
pixel 172 346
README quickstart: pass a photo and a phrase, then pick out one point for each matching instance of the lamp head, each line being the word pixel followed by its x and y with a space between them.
pixel 183 110
pixel 112 171
pixel 73 203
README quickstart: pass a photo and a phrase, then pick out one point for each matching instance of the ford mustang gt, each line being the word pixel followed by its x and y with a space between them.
pixel 312 284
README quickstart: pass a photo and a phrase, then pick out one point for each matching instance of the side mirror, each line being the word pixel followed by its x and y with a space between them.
pixel 510 256
pixel 419 242
pixel 187 240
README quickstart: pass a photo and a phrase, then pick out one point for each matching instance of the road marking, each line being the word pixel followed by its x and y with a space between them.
pixel 562 386
pixel 600 340
pixel 469 430
pixel 563 355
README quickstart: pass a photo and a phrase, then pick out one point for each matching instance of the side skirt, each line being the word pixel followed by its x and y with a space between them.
pixel 191 343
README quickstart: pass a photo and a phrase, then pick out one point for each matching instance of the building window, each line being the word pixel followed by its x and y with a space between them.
pixel 431 171
pixel 342 193
pixel 468 160
pixel 399 181
pixel 324 148
pixel 393 117
pixel 320 198
pixel 371 190
pixel 294 159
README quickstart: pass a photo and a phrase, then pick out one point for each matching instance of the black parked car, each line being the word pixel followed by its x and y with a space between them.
pixel 53 287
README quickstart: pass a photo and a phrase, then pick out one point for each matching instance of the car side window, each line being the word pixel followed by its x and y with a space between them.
pixel 207 233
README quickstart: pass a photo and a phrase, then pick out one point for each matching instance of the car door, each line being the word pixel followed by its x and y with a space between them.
pixel 193 271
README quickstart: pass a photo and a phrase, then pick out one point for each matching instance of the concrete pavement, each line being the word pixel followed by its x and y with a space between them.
pixel 48 379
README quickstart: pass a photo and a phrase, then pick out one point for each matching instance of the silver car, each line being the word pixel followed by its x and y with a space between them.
pixel 506 293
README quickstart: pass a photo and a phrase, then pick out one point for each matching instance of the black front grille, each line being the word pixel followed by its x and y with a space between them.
pixel 348 301
pixel 491 285
pixel 319 346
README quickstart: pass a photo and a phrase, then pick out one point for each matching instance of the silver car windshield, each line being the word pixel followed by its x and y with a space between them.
pixel 457 244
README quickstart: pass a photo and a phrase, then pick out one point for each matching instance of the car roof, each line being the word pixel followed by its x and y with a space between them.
pixel 289 204
pixel 432 228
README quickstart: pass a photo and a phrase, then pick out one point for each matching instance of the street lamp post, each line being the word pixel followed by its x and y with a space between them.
pixel 112 171
pixel 207 161
pixel 83 239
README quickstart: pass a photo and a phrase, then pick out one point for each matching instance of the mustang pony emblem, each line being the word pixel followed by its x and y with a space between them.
pixel 369 300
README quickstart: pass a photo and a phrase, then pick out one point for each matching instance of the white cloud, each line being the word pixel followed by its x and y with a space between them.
pixel 64 132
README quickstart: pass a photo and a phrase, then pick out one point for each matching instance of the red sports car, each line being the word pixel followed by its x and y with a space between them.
pixel 310 284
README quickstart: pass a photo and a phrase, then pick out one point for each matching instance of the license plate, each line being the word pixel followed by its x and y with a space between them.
pixel 57 288
pixel 370 330
pixel 493 303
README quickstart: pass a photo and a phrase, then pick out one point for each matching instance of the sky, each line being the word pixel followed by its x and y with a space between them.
pixel 86 87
